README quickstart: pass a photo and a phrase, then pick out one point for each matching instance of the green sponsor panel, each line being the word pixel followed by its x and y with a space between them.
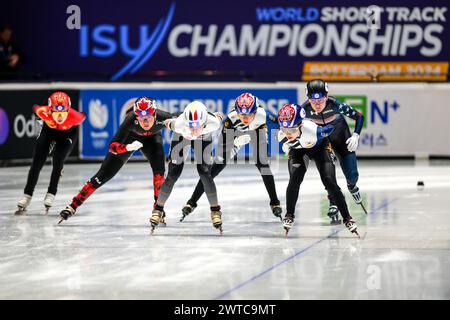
pixel 356 102
pixel 356 210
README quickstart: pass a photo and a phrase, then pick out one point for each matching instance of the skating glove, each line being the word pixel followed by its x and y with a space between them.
pixel 135 145
pixel 169 123
pixel 219 115
pixel 242 140
pixel 352 142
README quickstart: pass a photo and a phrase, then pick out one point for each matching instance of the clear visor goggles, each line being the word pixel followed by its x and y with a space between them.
pixel 291 130
pixel 317 100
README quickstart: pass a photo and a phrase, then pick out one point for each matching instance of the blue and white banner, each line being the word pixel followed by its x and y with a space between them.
pixel 106 109
pixel 120 39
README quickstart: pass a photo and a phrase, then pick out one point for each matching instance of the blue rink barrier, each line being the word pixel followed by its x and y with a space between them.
pixel 105 109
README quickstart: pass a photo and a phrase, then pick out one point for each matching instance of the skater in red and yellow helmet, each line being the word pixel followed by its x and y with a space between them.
pixel 59 133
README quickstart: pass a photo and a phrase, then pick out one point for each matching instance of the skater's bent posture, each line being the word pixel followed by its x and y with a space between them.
pixel 245 124
pixel 60 131
pixel 322 110
pixel 141 129
pixel 304 141
pixel 191 129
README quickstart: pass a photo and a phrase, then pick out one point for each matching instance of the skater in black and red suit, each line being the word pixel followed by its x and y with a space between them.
pixel 59 133
pixel 141 129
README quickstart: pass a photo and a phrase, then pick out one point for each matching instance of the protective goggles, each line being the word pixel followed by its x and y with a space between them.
pixel 291 130
pixel 59 113
pixel 317 100
pixel 246 115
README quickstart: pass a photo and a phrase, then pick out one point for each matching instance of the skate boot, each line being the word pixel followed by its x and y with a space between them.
pixel 277 211
pixel 157 216
pixel 288 222
pixel 66 213
pixel 187 209
pixel 23 204
pixel 333 213
pixel 48 202
pixel 357 196
pixel 350 224
pixel 163 219
pixel 216 218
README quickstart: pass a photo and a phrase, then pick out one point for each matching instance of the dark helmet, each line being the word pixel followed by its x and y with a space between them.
pixel 316 89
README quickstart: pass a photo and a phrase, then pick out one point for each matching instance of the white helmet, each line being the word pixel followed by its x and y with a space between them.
pixel 195 114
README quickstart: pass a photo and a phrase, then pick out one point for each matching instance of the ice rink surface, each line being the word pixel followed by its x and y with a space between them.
pixel 106 251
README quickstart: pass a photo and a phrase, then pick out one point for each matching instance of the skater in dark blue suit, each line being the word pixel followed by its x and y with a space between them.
pixel 323 109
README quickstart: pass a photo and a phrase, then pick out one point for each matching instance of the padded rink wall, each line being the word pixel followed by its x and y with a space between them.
pixel 408 119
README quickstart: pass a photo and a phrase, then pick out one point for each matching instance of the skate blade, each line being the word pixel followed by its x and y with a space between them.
pixel 60 221
pixel 182 218
pixel 19 212
pixel 45 210
pixel 364 208
pixel 286 232
pixel 219 227
pixel 336 222
pixel 357 234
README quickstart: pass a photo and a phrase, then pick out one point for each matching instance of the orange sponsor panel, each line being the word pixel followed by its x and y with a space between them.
pixel 381 71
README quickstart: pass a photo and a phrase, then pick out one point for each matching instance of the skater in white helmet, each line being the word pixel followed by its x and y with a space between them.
pixel 192 129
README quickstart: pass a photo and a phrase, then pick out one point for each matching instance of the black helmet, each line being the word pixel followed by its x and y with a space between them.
pixel 316 89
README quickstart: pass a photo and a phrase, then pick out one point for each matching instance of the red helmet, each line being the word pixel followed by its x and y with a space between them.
pixel 59 101
pixel 144 107
pixel 246 103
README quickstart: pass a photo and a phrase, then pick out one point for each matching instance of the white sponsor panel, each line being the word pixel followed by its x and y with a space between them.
pixel 98 114
pixel 401 119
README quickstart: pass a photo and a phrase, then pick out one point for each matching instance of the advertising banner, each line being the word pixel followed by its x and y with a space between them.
pixel 18 125
pixel 349 40
pixel 106 109
pixel 400 120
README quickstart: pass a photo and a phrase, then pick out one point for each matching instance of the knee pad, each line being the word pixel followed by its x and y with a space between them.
pixel 203 169
pixel 174 171
pixel 261 165
pixel 350 169
pixel 330 185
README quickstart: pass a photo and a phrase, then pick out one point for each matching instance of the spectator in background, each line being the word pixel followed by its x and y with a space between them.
pixel 9 54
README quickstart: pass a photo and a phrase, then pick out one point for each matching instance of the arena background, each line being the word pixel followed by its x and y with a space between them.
pixel 391 63
pixel 176 53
